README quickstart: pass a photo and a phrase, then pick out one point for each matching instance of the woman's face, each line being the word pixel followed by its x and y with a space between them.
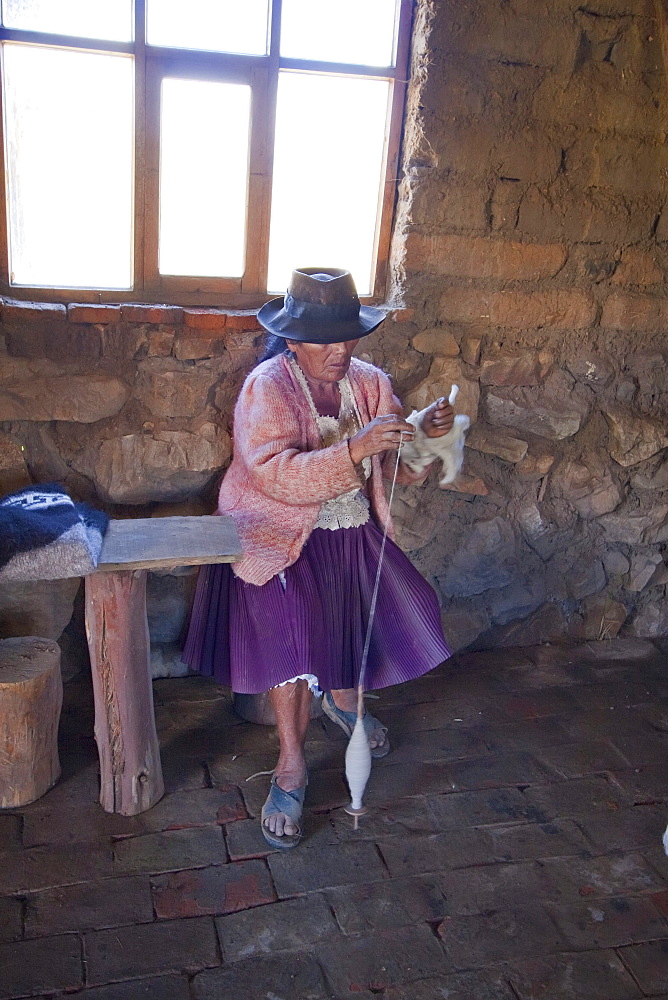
pixel 324 362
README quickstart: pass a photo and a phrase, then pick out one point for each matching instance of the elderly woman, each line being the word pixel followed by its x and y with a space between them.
pixel 315 431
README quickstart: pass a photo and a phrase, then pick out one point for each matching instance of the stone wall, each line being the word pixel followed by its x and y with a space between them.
pixel 130 408
pixel 530 258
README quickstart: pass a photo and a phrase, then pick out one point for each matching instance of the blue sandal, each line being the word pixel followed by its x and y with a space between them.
pixel 291 804
pixel 347 722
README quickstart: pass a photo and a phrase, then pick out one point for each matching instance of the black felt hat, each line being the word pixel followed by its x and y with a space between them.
pixel 321 306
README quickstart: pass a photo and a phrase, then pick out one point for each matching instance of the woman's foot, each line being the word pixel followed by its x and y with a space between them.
pixel 284 824
pixel 281 813
pixel 341 707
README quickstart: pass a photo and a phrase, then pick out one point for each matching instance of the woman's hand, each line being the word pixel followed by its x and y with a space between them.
pixel 382 434
pixel 438 419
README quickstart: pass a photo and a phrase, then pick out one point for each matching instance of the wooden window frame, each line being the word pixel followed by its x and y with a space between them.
pixel 261 73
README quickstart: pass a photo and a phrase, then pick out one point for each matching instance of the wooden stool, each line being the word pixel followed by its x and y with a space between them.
pixel 31 696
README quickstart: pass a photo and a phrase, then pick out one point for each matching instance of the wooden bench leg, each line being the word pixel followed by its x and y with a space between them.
pixel 127 742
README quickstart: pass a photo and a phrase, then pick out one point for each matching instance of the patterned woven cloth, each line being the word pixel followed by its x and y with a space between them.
pixel 45 535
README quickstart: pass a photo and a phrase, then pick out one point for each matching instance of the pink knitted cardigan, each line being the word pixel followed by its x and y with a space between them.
pixel 280 476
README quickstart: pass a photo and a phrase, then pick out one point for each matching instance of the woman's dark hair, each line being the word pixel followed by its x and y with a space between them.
pixel 273 345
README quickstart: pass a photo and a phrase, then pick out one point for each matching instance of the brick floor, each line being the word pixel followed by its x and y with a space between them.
pixel 512 849
pixel 90 905
pixel 223 889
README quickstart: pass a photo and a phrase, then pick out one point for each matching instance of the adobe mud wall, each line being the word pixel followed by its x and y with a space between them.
pixel 531 254
pixel 530 257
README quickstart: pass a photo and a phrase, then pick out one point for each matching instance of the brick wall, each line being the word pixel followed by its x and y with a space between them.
pixel 529 264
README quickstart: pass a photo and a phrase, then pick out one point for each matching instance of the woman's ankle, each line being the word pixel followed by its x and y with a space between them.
pixel 290 772
pixel 345 699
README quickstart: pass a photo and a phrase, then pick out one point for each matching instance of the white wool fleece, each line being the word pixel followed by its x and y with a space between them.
pixel 421 452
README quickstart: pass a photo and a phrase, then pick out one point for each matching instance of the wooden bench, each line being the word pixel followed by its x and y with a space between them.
pixel 118 640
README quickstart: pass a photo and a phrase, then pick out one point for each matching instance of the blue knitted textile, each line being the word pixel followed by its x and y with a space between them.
pixel 45 535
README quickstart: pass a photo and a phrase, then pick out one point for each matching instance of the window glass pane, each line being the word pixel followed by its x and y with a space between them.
pixel 69 153
pixel 106 19
pixel 213 25
pixel 203 183
pixel 326 190
pixel 347 31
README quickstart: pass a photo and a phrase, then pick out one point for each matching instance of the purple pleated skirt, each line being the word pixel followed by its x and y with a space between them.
pixel 251 638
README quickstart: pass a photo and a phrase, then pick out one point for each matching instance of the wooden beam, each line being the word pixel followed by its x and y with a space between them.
pixel 394 132
pixel 264 81
pixel 64 41
pixel 5 263
pixel 338 68
pixel 140 143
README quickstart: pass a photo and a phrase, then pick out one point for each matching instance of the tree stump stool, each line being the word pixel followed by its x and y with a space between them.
pixel 31 696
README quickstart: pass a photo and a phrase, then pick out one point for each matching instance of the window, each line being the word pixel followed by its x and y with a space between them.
pixel 197 151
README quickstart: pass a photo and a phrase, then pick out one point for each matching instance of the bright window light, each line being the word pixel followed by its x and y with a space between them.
pixel 71 140
pixel 345 31
pixel 326 190
pixel 204 131
pixel 211 25
pixel 69 156
pixel 110 20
